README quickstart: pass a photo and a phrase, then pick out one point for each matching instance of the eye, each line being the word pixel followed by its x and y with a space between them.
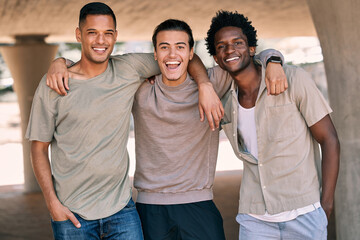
pixel 181 47
pixel 239 43
pixel 164 47
pixel 91 33
pixel 109 34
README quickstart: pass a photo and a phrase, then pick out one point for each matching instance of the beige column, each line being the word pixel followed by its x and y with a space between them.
pixel 337 25
pixel 28 60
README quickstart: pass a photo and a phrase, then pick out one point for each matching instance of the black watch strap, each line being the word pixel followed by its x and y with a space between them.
pixel 274 59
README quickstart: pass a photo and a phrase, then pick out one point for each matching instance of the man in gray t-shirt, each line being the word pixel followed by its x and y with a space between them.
pixel 176 154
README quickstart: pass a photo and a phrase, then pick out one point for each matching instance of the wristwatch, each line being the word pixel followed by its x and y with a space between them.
pixel 274 59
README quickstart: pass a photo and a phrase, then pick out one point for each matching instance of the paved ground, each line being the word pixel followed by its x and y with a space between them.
pixel 25 217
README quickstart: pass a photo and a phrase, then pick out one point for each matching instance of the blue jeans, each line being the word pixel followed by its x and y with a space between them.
pixel 310 226
pixel 123 225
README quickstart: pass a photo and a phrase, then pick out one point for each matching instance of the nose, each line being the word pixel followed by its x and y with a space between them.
pixel 229 48
pixel 172 52
pixel 100 38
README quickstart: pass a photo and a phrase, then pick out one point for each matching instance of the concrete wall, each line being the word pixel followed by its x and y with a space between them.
pixel 337 25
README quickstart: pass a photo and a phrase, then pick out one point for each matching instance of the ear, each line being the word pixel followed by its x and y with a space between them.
pixel 191 53
pixel 116 34
pixel 215 58
pixel 78 34
pixel 155 57
pixel 252 51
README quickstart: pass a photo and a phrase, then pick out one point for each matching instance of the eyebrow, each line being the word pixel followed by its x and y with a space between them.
pixel 93 29
pixel 238 38
pixel 166 43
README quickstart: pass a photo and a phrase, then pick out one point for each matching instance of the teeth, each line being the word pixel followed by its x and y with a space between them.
pixel 99 49
pixel 231 59
pixel 168 63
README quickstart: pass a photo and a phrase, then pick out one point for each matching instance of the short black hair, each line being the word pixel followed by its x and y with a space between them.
pixel 229 19
pixel 95 8
pixel 175 25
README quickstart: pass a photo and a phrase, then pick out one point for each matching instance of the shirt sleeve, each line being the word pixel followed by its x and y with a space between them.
pixel 220 79
pixel 143 64
pixel 41 126
pixel 308 97
pixel 264 55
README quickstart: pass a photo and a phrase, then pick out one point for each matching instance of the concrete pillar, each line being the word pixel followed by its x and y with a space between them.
pixel 28 60
pixel 337 26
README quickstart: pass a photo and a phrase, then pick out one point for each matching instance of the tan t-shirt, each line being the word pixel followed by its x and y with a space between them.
pixel 88 130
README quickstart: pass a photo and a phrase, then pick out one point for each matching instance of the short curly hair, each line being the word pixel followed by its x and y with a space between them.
pixel 229 19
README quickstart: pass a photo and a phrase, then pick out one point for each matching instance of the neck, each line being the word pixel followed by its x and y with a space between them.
pixel 174 83
pixel 88 69
pixel 248 83
pixel 248 80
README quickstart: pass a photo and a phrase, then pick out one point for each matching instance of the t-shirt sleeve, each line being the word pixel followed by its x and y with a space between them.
pixel 142 64
pixel 264 55
pixel 308 97
pixel 220 79
pixel 41 126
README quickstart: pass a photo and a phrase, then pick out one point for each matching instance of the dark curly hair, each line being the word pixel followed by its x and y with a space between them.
pixel 229 19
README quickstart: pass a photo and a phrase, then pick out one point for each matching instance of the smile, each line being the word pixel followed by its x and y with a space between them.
pixel 99 50
pixel 231 59
pixel 172 64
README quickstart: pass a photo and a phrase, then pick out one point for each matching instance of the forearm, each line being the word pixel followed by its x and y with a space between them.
pixel 330 168
pixel 198 71
pixel 42 170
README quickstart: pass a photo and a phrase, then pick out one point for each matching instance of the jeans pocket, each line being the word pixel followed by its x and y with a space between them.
pixel 324 217
pixel 130 204
pixel 60 222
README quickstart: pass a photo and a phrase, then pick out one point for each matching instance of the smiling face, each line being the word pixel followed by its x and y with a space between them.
pixel 173 54
pixel 97 35
pixel 232 51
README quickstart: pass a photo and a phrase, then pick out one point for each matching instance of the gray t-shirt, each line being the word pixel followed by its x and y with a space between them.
pixel 175 152
pixel 88 130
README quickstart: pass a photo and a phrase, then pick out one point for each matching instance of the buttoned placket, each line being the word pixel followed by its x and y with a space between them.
pixel 262 89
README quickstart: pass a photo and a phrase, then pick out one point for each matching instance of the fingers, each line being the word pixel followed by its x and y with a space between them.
pixel 216 118
pixel 57 83
pixel 66 80
pixel 267 83
pixel 273 88
pixel 60 84
pixel 210 120
pixel 286 85
pixel 276 87
pixel 221 111
pixel 201 111
pixel 73 219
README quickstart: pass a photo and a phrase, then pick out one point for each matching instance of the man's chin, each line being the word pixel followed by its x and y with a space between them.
pixel 100 61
